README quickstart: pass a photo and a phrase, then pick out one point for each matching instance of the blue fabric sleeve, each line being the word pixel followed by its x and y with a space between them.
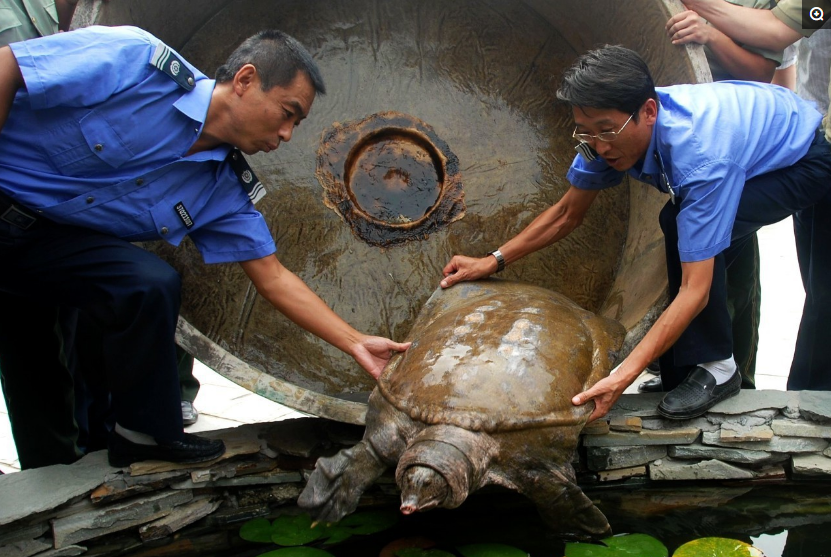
pixel 236 237
pixel 83 67
pixel 594 175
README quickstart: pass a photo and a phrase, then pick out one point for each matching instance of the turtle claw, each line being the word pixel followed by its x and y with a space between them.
pixel 336 485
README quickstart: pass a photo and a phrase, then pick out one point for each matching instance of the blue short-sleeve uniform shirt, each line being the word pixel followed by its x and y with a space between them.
pixel 99 139
pixel 710 139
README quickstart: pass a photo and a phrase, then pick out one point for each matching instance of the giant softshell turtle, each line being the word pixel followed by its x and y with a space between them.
pixel 482 397
pixel 483 75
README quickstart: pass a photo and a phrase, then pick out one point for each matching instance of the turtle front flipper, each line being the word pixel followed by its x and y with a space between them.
pixel 336 485
pixel 562 504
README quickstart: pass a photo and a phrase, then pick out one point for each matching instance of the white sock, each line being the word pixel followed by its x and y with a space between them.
pixel 134 436
pixel 722 370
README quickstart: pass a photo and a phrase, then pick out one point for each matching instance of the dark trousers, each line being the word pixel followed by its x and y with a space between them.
pixel 131 296
pixel 765 199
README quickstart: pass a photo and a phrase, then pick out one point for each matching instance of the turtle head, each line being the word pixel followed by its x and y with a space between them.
pixel 422 488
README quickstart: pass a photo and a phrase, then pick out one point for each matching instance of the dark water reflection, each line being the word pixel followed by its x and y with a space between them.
pixel 784 520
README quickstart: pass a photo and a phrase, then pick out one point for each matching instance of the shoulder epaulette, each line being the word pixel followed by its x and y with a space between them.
pixel 166 59
pixel 247 178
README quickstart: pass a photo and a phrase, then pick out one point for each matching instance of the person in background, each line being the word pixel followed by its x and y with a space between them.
pixel 784 25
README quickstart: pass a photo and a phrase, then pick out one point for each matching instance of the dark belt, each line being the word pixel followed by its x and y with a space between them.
pixel 15 214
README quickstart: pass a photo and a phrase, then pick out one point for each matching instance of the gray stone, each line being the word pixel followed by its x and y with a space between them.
pixel 775 445
pixel 701 423
pixel 749 400
pixel 792 412
pixel 178 518
pixel 757 418
pixel 608 458
pixel 827 452
pixel 117 517
pixel 624 423
pixel 800 428
pixel 655 437
pixel 669 469
pixel 815 405
pixel 622 474
pixel 644 405
pixel 21 533
pixel 739 456
pixel 732 432
pixel 22 494
pixel 811 465
pixel 266 478
pixel 597 427
pixel 25 548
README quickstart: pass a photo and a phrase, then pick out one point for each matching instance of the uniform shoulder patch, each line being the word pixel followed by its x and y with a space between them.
pixel 168 61
pixel 246 176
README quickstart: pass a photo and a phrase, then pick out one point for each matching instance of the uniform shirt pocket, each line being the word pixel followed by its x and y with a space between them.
pixel 87 147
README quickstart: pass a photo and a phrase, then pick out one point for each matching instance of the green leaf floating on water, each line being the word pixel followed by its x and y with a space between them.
pixel 717 547
pixel 294 530
pixel 418 552
pixel 256 530
pixel 297 552
pixel 370 522
pixel 490 550
pixel 629 545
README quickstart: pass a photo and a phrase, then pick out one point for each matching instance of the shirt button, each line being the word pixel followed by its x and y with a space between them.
pixel 190 81
pixel 98 147
pixel 34 20
pixel 165 230
pixel 140 181
pixel 90 199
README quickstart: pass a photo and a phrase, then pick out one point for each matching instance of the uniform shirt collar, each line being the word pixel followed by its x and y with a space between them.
pixel 194 105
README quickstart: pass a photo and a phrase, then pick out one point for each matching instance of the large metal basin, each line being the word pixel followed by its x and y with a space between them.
pixel 482 74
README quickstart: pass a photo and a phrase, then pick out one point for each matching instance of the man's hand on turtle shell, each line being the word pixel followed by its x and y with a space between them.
pixel 604 393
pixel 373 353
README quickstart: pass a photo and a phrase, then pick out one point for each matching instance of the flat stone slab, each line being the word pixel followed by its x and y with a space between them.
pixel 750 400
pixel 655 437
pixel 622 474
pixel 114 518
pixel 609 458
pixel 732 432
pixel 642 405
pixel 815 405
pixel 669 469
pixel 23 494
pixel 702 423
pixel 811 465
pixel 738 456
pixel 800 428
pixel 776 444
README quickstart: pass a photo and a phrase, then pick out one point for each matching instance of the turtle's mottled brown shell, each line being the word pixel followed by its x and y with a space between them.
pixel 500 355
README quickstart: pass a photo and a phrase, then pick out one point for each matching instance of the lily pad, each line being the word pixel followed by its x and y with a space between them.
pixel 490 550
pixel 294 530
pixel 370 522
pixel 628 545
pixel 256 530
pixel 717 547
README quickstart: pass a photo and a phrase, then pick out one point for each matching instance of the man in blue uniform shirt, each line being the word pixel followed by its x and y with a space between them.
pixel 108 137
pixel 731 156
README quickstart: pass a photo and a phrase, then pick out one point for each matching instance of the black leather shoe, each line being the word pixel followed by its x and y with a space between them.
pixel 654 385
pixel 189 450
pixel 697 394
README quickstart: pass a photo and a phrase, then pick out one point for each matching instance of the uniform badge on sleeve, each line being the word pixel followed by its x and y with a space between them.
pixel 166 60
pixel 183 214
pixel 246 176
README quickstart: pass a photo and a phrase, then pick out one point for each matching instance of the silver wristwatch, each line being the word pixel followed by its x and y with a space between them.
pixel 500 261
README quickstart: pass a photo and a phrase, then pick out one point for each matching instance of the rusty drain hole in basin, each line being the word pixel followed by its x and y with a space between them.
pixel 390 177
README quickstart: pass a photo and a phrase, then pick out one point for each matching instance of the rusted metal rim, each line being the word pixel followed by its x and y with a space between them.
pixel 248 377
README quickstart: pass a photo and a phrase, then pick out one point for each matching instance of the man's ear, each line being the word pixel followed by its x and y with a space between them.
pixel 245 78
pixel 650 109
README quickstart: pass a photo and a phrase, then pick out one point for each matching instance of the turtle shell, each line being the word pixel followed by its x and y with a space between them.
pixel 500 355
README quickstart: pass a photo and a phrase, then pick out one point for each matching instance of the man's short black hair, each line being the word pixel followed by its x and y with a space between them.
pixel 611 77
pixel 277 56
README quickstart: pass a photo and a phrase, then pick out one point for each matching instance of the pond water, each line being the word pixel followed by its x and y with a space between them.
pixel 781 520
